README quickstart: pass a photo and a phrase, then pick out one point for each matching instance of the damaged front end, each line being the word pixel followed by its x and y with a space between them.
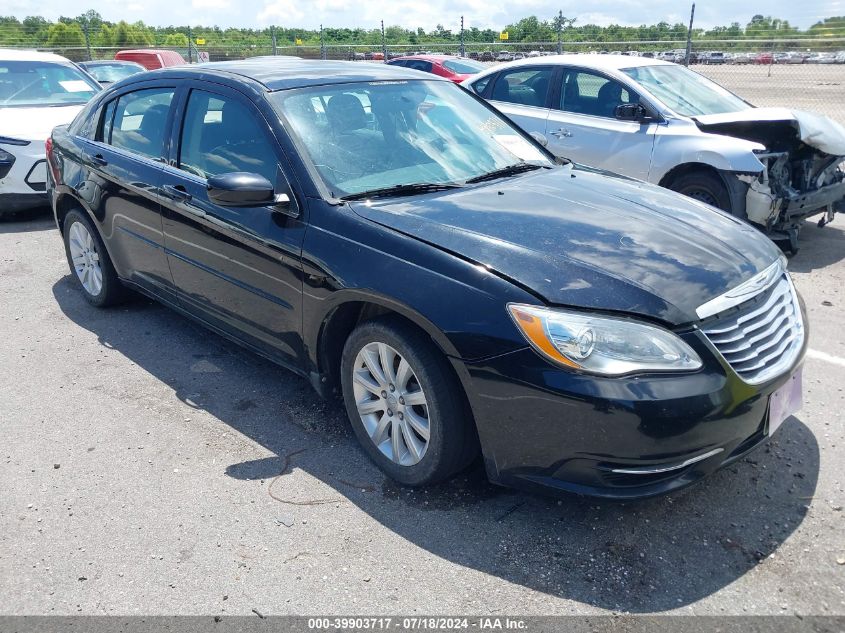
pixel 804 166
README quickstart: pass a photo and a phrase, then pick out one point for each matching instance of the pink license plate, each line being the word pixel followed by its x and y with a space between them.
pixel 785 401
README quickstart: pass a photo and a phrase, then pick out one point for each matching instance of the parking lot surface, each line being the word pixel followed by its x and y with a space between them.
pixel 150 467
pixel 816 87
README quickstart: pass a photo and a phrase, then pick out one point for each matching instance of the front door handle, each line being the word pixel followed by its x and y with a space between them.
pixel 562 133
pixel 97 159
pixel 176 192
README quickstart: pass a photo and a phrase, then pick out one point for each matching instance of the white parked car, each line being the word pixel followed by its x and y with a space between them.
pixel 38 91
pixel 665 124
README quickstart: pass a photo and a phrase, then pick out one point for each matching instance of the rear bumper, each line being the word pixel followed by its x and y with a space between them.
pixel 552 430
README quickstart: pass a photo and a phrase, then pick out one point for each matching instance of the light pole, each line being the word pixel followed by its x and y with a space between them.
pixel 689 35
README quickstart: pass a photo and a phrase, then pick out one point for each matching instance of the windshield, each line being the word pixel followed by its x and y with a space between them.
pixel 463 66
pixel 112 73
pixel 685 91
pixel 370 136
pixel 26 83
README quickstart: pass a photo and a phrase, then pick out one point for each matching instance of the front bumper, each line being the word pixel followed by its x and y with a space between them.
pixel 14 202
pixel 24 184
pixel 804 205
pixel 552 430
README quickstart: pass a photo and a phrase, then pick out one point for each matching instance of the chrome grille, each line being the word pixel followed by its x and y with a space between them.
pixel 760 337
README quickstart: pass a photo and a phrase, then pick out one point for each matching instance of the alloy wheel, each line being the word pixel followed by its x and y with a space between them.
pixel 85 258
pixel 391 403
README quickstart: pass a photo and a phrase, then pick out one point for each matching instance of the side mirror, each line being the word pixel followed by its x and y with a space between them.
pixel 540 138
pixel 631 112
pixel 240 189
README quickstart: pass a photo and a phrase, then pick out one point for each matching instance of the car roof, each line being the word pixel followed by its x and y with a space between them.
pixel 430 58
pixel 11 54
pixel 597 62
pixel 289 73
pixel 146 51
pixel 110 62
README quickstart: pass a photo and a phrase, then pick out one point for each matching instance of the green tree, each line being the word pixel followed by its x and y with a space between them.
pixel 62 35
pixel 176 40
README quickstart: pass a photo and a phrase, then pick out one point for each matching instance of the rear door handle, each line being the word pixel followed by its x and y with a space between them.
pixel 176 192
pixel 561 133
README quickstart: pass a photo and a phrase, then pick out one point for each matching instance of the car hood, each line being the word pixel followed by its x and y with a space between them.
pixel 577 237
pixel 815 130
pixel 35 124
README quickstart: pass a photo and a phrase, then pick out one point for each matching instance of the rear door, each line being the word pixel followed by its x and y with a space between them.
pixel 125 159
pixel 237 268
pixel 583 127
pixel 522 93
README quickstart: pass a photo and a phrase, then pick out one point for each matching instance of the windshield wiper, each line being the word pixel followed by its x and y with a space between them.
pixel 510 170
pixel 401 190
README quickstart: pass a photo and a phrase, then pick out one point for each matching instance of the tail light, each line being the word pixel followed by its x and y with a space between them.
pixel 51 161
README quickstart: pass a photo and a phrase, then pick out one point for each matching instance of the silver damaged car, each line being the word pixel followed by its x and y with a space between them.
pixel 665 124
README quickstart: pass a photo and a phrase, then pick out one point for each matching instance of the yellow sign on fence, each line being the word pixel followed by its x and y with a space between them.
pixel 298 41
pixel 503 35
pixel 200 41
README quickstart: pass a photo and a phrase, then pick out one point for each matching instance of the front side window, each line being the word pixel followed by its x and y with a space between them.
pixel 523 86
pixel 137 122
pixel 686 92
pixel 29 84
pixel 365 136
pixel 584 92
pixel 221 135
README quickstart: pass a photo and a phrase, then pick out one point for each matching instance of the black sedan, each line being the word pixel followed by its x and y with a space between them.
pixel 395 240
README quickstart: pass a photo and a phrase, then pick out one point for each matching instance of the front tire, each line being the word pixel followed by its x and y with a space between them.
pixel 405 404
pixel 705 187
pixel 89 262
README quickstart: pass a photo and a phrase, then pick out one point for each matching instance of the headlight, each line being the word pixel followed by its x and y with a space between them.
pixel 602 345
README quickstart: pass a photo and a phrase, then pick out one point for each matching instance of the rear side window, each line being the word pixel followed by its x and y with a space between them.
pixel 221 135
pixel 419 64
pixel 523 86
pixel 137 121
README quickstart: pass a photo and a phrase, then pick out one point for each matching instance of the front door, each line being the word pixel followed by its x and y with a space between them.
pixel 237 267
pixel 582 125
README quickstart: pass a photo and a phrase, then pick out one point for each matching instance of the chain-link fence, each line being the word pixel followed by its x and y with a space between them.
pixel 767 62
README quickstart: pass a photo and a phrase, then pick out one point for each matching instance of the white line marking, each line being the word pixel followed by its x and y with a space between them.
pixel 828 358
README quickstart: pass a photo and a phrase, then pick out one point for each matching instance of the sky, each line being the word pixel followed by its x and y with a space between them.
pixel 425 13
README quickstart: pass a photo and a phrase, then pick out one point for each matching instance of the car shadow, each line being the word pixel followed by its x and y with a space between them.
pixel 819 247
pixel 40 219
pixel 647 556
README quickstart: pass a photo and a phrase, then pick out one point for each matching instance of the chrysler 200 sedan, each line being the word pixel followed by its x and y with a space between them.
pixel 391 237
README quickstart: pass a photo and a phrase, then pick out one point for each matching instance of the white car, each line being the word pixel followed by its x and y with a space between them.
pixel 665 124
pixel 38 91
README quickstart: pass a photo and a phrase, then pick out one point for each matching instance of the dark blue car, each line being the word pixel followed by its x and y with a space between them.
pixel 397 241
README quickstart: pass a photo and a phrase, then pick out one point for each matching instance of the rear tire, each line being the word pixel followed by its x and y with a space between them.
pixel 90 264
pixel 415 444
pixel 705 187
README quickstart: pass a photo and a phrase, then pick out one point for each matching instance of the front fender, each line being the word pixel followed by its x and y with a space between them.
pixel 674 147
pixel 460 304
